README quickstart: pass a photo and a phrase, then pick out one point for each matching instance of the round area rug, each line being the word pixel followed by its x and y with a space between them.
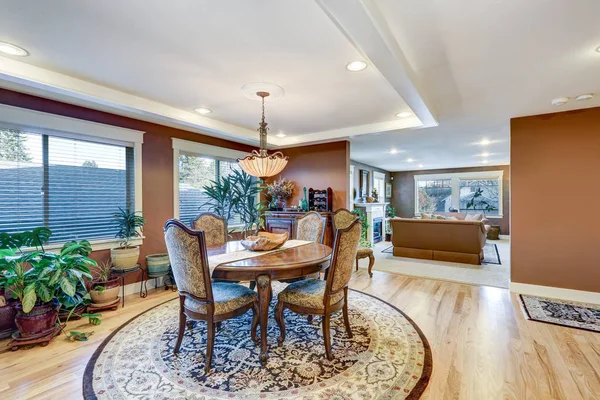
pixel 387 358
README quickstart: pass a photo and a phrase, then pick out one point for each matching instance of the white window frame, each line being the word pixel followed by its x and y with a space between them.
pixel 455 179
pixel 351 191
pixel 379 176
pixel 57 125
pixel 198 149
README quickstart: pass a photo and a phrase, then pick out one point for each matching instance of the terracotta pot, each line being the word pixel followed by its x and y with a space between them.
pixel 158 264
pixel 104 296
pixel 109 284
pixel 40 319
pixel 7 319
pixel 125 257
pixel 370 199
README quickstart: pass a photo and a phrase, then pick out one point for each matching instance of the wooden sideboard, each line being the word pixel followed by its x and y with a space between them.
pixel 285 221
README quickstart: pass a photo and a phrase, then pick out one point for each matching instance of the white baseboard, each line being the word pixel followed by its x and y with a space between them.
pixel 504 236
pixel 555 293
pixel 134 288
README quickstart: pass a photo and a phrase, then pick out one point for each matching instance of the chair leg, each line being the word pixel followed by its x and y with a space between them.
pixel 218 326
pixel 310 319
pixel 210 343
pixel 182 324
pixel 345 313
pixel 254 323
pixel 327 335
pixel 280 322
pixel 252 285
pixel 371 263
pixel 357 263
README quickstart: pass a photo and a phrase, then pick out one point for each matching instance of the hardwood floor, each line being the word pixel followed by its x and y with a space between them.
pixel 482 346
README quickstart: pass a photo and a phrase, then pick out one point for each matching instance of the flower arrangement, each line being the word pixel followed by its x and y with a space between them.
pixel 282 189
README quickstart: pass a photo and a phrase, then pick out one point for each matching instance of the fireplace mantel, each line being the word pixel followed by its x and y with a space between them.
pixel 373 211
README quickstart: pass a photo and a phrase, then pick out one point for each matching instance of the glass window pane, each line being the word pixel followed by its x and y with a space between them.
pixel 194 173
pixel 71 186
pixel 480 195
pixel 21 181
pixel 434 195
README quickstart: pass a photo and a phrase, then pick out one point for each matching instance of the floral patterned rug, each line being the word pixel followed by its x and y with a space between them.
pixel 388 358
pixel 562 312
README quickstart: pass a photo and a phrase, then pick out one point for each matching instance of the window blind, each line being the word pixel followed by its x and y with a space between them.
pixel 71 186
pixel 195 172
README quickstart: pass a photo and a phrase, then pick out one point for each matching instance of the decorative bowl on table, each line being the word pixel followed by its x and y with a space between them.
pixel 264 241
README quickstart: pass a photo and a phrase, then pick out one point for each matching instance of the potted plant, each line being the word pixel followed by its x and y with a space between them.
pixel 7 315
pixel 40 280
pixel 158 264
pixel 390 212
pixel 73 307
pixel 130 224
pixel 280 191
pixel 105 287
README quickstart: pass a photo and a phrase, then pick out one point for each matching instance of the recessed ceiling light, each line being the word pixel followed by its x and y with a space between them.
pixel 598 49
pixel 410 160
pixel 203 110
pixel 12 50
pixel 404 114
pixel 485 142
pixel 560 101
pixel 484 161
pixel 356 66
pixel 421 165
pixel 485 154
pixel 583 97
pixel 281 135
pixel 393 151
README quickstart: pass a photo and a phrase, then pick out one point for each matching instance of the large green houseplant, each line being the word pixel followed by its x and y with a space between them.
pixel 42 281
pixel 237 194
pixel 129 224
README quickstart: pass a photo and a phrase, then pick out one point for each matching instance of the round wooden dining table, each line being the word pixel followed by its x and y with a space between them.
pixel 281 264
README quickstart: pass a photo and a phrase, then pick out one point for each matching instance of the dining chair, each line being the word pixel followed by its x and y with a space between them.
pixel 199 298
pixel 214 227
pixel 317 297
pixel 311 227
pixel 342 218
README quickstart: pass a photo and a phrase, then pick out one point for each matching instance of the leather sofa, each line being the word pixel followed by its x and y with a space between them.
pixel 435 239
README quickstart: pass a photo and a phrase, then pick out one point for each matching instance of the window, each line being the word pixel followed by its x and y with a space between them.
pixel 471 192
pixel 196 165
pixel 480 195
pixel 434 195
pixel 71 186
pixel 195 172
pixel 379 184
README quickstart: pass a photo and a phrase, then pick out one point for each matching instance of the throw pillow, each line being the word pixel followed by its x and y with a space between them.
pixel 426 216
pixel 473 217
pixel 452 219
pixel 439 216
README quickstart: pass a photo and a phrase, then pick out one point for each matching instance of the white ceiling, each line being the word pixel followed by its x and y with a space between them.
pixel 468 65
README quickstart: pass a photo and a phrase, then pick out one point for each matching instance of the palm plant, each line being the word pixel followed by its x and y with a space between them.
pixel 248 206
pixel 221 198
pixel 129 223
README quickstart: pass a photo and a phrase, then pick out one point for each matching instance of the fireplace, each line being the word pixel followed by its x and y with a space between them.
pixel 377 230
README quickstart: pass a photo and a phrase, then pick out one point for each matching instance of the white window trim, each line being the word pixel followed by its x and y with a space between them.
pixel 58 125
pixel 455 179
pixel 197 149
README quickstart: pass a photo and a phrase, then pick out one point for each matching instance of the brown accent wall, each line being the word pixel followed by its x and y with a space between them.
pixel 360 166
pixel 319 166
pixel 403 192
pixel 157 161
pixel 555 175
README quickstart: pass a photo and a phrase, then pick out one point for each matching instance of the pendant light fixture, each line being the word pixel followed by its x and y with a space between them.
pixel 259 163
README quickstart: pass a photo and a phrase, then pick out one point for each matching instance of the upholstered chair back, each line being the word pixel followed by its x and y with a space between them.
pixel 214 227
pixel 189 261
pixel 344 257
pixel 311 227
pixel 342 219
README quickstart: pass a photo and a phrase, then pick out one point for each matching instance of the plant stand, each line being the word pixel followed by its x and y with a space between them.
pixel 110 306
pixel 122 272
pixel 167 282
pixel 42 339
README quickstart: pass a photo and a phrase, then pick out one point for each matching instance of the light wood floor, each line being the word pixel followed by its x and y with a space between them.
pixel 482 346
